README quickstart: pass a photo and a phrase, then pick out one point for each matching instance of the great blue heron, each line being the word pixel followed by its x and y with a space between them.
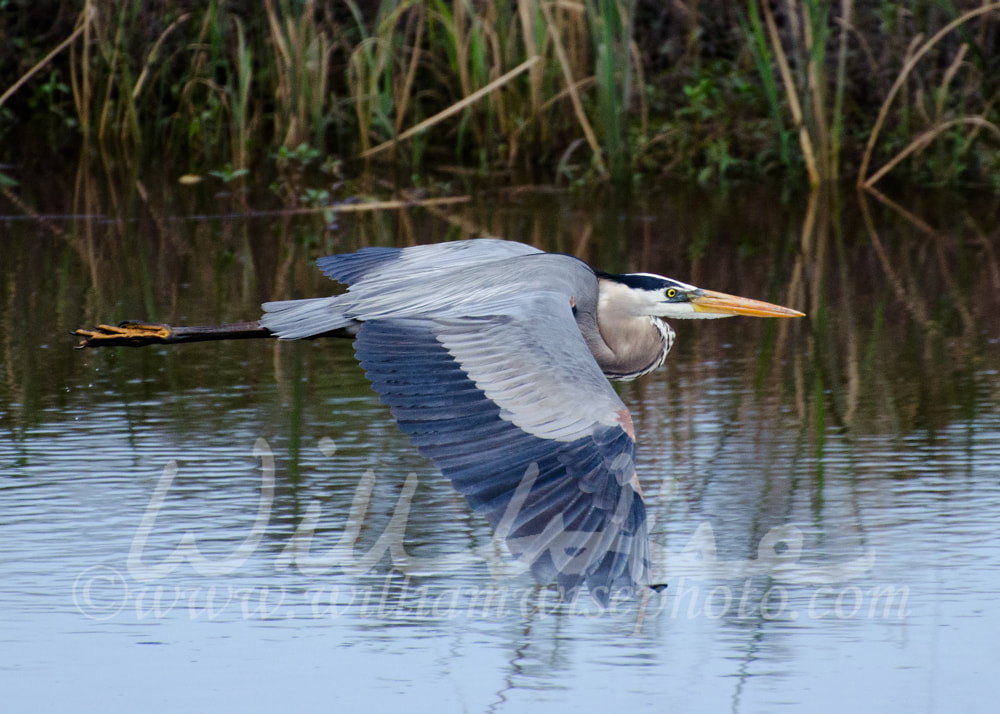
pixel 494 358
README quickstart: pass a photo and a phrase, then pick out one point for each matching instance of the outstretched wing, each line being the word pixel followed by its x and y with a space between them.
pixel 373 272
pixel 516 413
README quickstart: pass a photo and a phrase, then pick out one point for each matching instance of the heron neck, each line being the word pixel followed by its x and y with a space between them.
pixel 631 346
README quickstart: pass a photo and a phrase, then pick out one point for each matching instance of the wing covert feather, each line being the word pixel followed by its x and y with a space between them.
pixel 563 498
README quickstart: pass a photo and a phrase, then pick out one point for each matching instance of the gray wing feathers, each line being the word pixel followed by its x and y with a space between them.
pixel 511 327
pixel 532 362
pixel 386 263
pixel 458 279
pixel 477 348
pixel 567 508
pixel 351 267
pixel 389 281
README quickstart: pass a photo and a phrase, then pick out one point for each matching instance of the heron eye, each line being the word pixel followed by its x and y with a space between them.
pixel 671 293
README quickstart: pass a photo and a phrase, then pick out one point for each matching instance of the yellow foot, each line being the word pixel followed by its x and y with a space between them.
pixel 129 333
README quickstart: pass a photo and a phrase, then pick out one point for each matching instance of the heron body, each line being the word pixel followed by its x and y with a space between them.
pixel 494 358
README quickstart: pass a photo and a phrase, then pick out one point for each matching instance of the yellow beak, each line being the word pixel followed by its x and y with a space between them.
pixel 722 304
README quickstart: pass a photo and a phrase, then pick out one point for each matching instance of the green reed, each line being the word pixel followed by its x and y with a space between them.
pixel 583 90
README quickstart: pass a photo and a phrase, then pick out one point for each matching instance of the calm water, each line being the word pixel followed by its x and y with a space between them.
pixel 241 526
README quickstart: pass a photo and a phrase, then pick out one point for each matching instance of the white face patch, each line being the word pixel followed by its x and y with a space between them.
pixel 686 311
pixel 678 310
pixel 647 297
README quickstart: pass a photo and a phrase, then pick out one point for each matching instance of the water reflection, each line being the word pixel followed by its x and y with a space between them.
pixel 870 429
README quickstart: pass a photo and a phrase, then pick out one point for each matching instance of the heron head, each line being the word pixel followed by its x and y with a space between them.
pixel 657 296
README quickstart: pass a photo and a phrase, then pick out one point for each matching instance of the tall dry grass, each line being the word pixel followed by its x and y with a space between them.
pixel 565 90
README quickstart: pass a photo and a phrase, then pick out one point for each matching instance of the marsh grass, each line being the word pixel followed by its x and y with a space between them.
pixel 575 90
pixel 801 69
pixel 940 123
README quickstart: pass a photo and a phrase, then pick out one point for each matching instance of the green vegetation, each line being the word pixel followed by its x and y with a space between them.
pixel 574 91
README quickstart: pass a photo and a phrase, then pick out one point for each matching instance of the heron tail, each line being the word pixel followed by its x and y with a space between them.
pixel 299 319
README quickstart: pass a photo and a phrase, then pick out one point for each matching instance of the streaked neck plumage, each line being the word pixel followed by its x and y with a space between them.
pixel 631 343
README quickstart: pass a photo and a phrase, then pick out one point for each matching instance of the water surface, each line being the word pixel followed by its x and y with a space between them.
pixel 823 492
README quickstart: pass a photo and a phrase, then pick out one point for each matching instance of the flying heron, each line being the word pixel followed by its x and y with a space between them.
pixel 494 357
